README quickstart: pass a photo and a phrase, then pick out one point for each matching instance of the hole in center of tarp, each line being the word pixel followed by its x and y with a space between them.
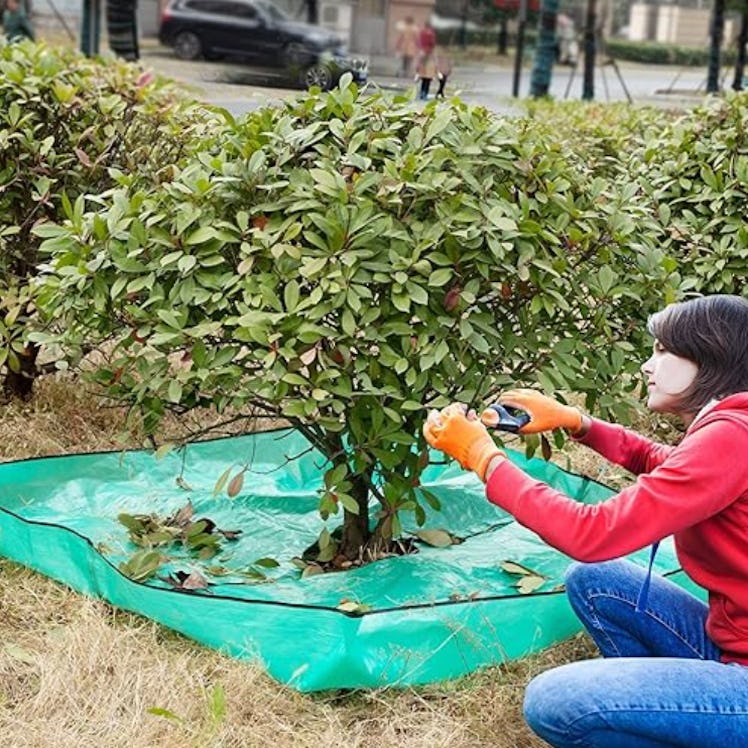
pixel 325 555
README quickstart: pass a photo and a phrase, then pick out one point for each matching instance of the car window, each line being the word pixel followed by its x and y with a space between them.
pixel 202 6
pixel 223 8
pixel 272 10
pixel 238 10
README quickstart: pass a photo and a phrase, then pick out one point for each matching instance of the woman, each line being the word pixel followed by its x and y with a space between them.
pixel 407 46
pixel 426 68
pixel 675 670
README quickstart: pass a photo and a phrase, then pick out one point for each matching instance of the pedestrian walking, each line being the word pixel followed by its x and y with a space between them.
pixel 426 68
pixel 443 71
pixel 16 23
pixel 406 46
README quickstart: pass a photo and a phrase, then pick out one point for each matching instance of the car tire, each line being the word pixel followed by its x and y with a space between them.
pixel 187 46
pixel 319 75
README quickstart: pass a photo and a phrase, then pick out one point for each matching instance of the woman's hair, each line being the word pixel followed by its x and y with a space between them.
pixel 711 331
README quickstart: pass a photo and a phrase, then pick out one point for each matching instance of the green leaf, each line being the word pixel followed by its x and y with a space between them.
pixel 291 295
pixel 200 235
pixel 349 503
pixel 440 277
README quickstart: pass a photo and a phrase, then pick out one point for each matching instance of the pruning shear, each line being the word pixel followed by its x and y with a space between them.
pixel 504 418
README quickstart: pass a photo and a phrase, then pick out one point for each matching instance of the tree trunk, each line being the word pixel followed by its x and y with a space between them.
pixel 737 83
pixel 21 383
pixel 545 51
pixel 356 532
pixel 588 84
pixel 717 32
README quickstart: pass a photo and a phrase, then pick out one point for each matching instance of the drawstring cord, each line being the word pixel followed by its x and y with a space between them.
pixel 644 591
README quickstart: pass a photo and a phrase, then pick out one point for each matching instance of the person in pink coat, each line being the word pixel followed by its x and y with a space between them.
pixel 426 69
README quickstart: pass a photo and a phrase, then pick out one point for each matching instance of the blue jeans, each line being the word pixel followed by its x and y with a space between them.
pixel 666 686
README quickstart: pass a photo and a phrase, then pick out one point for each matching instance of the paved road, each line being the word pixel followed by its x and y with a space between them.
pixel 239 90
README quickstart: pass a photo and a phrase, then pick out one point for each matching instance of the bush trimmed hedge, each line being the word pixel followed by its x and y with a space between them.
pixel 71 126
pixel 656 53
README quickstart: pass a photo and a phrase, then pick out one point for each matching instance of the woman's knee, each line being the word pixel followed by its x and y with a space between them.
pixel 549 706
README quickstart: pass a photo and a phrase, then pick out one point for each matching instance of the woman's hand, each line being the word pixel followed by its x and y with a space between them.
pixel 545 413
pixel 465 438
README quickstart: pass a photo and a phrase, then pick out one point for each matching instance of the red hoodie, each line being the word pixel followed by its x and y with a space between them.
pixel 696 491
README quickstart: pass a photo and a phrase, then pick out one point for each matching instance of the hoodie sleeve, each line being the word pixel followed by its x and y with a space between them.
pixel 698 478
pixel 624 447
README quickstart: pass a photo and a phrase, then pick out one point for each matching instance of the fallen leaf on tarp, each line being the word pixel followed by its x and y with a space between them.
pixel 222 481
pixel 436 538
pixel 182 517
pixel 311 570
pixel 181 580
pixel 230 534
pixel 512 567
pixel 182 483
pixel 529 581
pixel 529 584
pixel 142 565
pixel 236 484
pixel 351 606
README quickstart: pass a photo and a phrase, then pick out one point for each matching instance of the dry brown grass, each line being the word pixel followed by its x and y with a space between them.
pixel 77 673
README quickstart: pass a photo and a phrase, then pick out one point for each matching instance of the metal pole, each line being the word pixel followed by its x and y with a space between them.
pixel 588 84
pixel 521 23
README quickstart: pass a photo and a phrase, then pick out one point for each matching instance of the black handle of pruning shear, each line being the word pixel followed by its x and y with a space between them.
pixel 505 418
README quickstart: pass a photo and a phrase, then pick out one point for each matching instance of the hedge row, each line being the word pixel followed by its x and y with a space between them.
pixel 645 206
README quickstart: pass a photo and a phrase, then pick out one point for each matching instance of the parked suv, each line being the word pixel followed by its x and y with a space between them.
pixel 259 33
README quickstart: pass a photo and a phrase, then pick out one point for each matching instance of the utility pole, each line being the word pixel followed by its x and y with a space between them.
pixel 521 23
pixel 737 83
pixel 90 25
pixel 588 85
pixel 717 32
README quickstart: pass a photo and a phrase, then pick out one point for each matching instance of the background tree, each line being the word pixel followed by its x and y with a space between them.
pixel 69 126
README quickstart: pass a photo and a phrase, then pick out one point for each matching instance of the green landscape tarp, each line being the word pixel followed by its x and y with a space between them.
pixel 419 618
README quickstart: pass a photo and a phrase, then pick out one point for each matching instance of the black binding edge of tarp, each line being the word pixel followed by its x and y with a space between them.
pixel 145 450
pixel 213 596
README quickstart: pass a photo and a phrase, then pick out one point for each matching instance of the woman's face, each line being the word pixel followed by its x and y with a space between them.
pixel 668 377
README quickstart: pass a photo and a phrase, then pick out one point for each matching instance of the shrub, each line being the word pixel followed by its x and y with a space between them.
pixel 696 175
pixel 345 261
pixel 658 53
pixel 71 126
pixel 600 137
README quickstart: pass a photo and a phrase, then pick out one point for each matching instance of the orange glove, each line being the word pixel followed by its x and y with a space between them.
pixel 545 413
pixel 464 439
